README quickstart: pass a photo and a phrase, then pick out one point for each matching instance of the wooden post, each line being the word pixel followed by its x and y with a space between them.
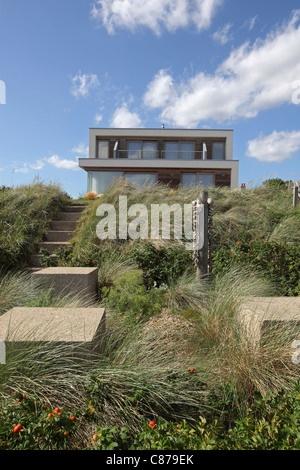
pixel 201 233
pixel 210 203
pixel 203 254
pixel 295 195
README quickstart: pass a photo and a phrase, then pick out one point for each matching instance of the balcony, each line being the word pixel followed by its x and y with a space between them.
pixel 159 155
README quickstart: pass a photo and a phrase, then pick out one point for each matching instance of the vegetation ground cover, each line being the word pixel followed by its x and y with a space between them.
pixel 175 353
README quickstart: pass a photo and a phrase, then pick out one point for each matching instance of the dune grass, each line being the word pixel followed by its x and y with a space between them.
pixel 141 372
pixel 25 214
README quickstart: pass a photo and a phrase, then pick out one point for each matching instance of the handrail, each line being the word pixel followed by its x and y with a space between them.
pixel 155 154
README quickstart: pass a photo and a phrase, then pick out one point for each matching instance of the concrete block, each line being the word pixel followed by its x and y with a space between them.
pixel 78 327
pixel 69 280
pixel 264 317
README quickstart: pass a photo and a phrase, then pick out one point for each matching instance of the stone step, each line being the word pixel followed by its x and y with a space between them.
pixel 81 329
pixel 63 225
pixel 33 269
pixel 74 208
pixel 58 236
pixel 52 246
pixel 74 216
pixel 35 260
pixel 69 280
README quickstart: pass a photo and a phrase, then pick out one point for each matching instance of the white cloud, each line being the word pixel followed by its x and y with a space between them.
pixel 98 118
pixel 222 35
pixel 58 162
pixel 276 147
pixel 24 169
pixel 38 165
pixel 160 90
pixel 124 118
pixel 155 14
pixel 27 167
pixel 81 149
pixel 251 23
pixel 252 78
pixel 83 83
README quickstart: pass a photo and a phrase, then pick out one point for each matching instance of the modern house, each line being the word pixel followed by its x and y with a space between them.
pixel 170 156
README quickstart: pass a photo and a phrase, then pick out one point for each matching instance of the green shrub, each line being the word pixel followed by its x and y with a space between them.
pixel 29 424
pixel 272 423
pixel 278 262
pixel 161 265
pixel 129 297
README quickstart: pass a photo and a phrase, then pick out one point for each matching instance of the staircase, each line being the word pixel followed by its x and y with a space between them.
pixel 60 232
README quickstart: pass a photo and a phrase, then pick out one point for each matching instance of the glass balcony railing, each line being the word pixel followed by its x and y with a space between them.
pixel 164 154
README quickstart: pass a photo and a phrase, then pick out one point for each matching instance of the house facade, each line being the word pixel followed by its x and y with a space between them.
pixel 170 156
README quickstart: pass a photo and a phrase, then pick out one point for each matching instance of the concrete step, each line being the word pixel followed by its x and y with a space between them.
pixel 74 216
pixel 74 208
pixel 35 261
pixel 52 246
pixel 33 269
pixel 58 236
pixel 63 225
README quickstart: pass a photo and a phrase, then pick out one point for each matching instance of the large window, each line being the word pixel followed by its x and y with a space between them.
pixel 141 179
pixel 102 149
pixel 179 150
pixel 100 181
pixel 194 179
pixel 218 151
pixel 145 150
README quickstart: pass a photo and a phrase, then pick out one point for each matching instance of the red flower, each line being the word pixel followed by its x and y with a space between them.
pixel 56 410
pixel 152 424
pixel 18 428
pixel 73 418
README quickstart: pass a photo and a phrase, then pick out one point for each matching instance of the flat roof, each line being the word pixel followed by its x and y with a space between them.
pixel 154 129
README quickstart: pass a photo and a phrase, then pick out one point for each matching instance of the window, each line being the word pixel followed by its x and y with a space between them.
pixel 103 149
pixel 194 179
pixel 146 150
pixel 149 150
pixel 141 179
pixel 100 181
pixel 218 151
pixel 189 179
pixel 134 150
pixel 171 151
pixel 186 151
pixel 179 150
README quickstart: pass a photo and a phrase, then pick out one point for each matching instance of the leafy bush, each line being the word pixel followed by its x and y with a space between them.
pixel 278 262
pixel 272 423
pixel 128 296
pixel 29 424
pixel 161 265
pixel 275 183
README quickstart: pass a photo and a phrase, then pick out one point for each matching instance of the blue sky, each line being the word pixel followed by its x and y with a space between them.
pixel 68 65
